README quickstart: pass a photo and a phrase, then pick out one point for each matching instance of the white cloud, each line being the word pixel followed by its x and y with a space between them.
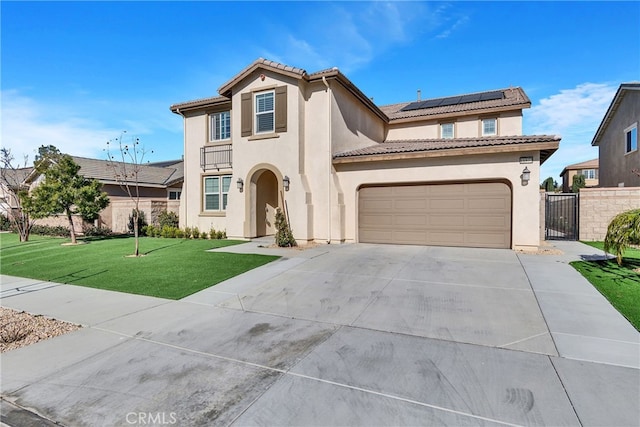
pixel 82 127
pixel 348 35
pixel 575 115
pixel 27 124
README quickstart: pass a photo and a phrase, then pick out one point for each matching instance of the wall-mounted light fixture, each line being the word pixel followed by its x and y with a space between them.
pixel 285 183
pixel 240 184
pixel 526 175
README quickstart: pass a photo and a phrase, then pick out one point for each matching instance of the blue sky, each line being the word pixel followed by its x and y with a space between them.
pixel 75 74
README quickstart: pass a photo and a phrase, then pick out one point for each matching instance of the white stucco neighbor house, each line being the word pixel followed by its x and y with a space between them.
pixel 453 171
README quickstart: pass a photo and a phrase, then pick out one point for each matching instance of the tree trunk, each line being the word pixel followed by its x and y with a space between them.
pixel 136 216
pixel 71 228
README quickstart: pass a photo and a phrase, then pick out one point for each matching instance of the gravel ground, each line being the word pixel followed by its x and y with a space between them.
pixel 19 328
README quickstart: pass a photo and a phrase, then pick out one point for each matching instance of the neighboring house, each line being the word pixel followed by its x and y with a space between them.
pixel 159 185
pixel 588 169
pixel 617 139
pixel 453 171
pixel 14 179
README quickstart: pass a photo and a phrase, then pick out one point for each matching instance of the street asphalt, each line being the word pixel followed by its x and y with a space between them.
pixel 353 335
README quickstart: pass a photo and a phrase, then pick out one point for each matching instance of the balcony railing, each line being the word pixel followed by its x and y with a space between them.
pixel 215 157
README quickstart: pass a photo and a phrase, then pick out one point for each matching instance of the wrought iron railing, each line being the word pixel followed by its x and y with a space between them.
pixel 216 157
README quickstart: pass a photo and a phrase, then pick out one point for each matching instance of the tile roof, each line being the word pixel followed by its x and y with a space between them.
pixel 15 177
pixel 421 145
pixel 198 103
pixel 514 96
pixel 261 63
pixel 587 164
pixel 149 175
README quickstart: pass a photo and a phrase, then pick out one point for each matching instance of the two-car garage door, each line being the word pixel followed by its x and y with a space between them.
pixel 476 214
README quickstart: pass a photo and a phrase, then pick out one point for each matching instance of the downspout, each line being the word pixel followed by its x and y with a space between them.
pixel 324 80
pixel 184 181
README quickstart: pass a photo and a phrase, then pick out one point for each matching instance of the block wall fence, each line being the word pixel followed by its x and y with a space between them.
pixel 597 208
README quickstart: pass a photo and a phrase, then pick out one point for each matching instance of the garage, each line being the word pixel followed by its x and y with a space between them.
pixel 470 214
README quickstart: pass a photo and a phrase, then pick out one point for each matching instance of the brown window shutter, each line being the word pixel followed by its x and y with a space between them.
pixel 246 110
pixel 281 109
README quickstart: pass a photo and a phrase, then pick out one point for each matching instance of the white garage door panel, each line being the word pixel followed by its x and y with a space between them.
pixel 468 214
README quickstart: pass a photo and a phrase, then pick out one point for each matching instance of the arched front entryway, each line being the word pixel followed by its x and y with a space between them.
pixel 265 199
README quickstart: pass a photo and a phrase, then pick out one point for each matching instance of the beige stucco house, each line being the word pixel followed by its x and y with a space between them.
pixel 159 189
pixel 588 169
pixel 453 171
pixel 617 139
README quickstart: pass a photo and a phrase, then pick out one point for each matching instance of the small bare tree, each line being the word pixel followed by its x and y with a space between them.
pixel 126 163
pixel 12 190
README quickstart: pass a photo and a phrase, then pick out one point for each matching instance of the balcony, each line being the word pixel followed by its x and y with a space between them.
pixel 215 157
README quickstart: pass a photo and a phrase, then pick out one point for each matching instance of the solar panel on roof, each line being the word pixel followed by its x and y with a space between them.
pixel 431 103
pixel 453 100
pixel 412 106
pixel 490 96
pixel 470 98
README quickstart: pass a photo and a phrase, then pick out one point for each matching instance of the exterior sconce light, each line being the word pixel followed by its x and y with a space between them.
pixel 286 182
pixel 240 184
pixel 526 175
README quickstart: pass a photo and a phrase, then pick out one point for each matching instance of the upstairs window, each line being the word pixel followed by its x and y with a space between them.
pixel 265 112
pixel 489 127
pixel 220 126
pixel 174 195
pixel 216 192
pixel 631 136
pixel 447 131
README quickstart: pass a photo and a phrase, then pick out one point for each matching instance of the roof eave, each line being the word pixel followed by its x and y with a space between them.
pixel 189 106
pixel 225 89
pixel 615 103
pixel 548 148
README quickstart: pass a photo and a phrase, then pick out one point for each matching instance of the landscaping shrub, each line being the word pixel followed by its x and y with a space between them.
pixel 204 235
pixel 47 230
pixel 195 233
pixel 142 221
pixel 5 223
pixel 187 232
pixel 284 235
pixel 168 218
pixel 623 231
pixel 92 231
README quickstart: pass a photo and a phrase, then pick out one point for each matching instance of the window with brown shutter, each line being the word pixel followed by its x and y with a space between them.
pixel 255 118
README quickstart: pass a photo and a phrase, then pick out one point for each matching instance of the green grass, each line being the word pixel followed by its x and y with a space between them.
pixel 171 268
pixel 619 284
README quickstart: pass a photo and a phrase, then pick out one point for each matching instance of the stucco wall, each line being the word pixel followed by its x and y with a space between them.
pixel 509 123
pixel 598 206
pixel 503 167
pixel 615 165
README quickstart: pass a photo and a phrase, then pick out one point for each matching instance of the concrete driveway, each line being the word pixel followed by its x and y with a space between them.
pixel 337 335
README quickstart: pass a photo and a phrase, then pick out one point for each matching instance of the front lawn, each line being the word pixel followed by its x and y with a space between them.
pixel 171 268
pixel 619 284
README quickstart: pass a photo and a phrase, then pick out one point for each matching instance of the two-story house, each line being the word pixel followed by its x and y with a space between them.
pixel 453 171
pixel 617 139
pixel 588 169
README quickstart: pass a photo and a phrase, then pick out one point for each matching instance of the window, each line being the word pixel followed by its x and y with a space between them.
pixel 175 195
pixel 265 112
pixel 631 135
pixel 220 126
pixel 589 173
pixel 216 192
pixel 489 127
pixel 447 131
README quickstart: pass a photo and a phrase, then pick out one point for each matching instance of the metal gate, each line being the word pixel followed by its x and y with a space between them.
pixel 561 216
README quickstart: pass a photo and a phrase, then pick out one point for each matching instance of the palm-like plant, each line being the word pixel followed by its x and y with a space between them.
pixel 623 230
